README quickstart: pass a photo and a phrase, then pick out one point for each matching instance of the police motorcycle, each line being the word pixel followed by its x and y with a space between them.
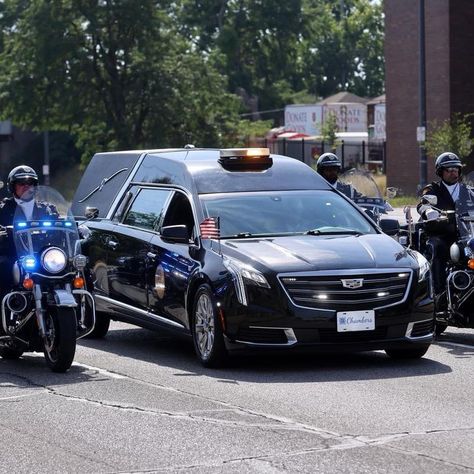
pixel 457 309
pixel 48 308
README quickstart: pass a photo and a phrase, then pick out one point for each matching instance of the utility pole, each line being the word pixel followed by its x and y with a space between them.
pixel 421 130
pixel 46 157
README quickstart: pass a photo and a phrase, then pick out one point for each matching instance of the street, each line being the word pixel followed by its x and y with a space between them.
pixel 139 401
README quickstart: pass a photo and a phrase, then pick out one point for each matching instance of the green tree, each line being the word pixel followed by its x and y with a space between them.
pixel 453 135
pixel 257 41
pixel 329 130
pixel 115 73
pixel 342 47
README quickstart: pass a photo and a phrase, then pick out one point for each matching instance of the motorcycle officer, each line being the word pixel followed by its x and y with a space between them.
pixel 21 183
pixel 447 190
pixel 329 166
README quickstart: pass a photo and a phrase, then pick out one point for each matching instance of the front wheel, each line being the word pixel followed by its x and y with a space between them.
pixel 208 336
pixel 60 343
pixel 408 353
pixel 101 328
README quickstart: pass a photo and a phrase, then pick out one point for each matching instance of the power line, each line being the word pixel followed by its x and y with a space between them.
pixel 261 112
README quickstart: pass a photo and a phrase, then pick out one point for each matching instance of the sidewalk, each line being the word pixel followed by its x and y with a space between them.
pixel 398 213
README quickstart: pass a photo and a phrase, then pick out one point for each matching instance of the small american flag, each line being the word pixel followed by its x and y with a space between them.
pixel 210 228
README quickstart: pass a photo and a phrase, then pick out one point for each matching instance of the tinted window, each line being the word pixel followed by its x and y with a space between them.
pixel 147 208
pixel 287 212
pixel 180 212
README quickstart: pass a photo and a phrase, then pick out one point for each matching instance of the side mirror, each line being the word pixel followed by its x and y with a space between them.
pixel 430 199
pixel 391 192
pixel 178 234
pixel 1 184
pixel 91 212
pixel 370 213
pixel 390 226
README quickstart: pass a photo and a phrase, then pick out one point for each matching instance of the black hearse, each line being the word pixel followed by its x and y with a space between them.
pixel 241 249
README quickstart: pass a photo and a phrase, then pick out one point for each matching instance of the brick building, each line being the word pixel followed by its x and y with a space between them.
pixel 449 40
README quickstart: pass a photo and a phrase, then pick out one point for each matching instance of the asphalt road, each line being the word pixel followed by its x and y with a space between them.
pixel 139 401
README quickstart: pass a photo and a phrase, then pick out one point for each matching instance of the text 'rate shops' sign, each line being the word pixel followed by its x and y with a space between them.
pixel 351 117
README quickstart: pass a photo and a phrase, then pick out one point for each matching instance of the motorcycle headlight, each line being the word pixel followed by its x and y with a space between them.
pixel 244 274
pixel 423 264
pixel 53 260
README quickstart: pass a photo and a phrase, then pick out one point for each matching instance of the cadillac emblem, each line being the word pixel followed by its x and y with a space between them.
pixel 353 283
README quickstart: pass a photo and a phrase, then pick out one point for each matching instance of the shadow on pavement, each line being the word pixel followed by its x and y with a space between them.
pixel 153 347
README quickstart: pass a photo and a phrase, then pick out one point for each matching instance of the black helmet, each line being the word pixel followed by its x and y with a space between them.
pixel 21 172
pixel 447 160
pixel 327 160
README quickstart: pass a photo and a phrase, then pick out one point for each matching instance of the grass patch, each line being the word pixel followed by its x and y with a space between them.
pixel 402 201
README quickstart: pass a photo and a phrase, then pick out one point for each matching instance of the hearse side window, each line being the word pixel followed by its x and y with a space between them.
pixel 147 208
pixel 179 212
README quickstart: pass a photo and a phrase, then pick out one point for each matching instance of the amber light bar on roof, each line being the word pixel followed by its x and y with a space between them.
pixel 243 152
pixel 245 159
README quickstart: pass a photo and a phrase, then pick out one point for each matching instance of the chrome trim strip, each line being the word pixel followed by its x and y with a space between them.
pixel 140 311
pixel 289 333
pixel 343 273
pixel 119 195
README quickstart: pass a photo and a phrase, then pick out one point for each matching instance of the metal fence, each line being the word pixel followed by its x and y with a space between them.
pixel 362 154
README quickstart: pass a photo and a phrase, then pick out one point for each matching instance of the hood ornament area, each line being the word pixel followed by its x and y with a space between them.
pixel 352 283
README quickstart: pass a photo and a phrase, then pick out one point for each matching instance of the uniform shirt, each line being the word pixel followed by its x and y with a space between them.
pixel 39 210
pixel 347 189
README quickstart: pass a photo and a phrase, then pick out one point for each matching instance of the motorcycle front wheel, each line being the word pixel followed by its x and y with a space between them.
pixel 60 344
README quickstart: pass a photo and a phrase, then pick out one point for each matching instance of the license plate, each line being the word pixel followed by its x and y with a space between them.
pixel 355 321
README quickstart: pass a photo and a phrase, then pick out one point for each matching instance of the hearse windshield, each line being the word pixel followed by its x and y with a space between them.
pixel 260 214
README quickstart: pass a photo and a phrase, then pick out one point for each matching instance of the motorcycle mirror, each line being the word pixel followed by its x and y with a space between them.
pixel 1 184
pixel 391 192
pixel 430 199
pixel 91 212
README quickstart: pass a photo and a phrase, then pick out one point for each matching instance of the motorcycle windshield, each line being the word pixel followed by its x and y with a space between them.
pixel 367 194
pixel 465 213
pixel 44 231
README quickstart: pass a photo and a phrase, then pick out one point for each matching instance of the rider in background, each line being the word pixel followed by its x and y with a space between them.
pixel 22 183
pixel 447 190
pixel 329 167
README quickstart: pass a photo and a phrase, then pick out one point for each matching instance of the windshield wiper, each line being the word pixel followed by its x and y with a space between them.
pixel 331 232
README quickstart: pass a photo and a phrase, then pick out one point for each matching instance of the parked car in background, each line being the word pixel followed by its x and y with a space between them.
pixel 239 249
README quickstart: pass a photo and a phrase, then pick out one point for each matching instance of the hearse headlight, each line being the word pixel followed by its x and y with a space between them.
pixel 53 260
pixel 244 274
pixel 423 264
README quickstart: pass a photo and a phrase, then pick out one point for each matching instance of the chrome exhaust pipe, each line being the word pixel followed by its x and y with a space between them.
pixel 16 302
pixel 461 280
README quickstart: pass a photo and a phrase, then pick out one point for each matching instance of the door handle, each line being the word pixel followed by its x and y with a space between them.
pixel 113 244
pixel 151 255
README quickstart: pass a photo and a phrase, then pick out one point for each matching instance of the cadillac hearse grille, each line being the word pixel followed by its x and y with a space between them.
pixel 347 292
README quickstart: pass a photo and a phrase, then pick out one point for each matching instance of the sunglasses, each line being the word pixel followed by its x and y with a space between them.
pixel 451 169
pixel 26 182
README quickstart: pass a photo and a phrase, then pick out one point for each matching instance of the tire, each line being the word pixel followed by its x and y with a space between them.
pixel 60 345
pixel 440 328
pixel 408 353
pixel 102 323
pixel 207 332
pixel 10 353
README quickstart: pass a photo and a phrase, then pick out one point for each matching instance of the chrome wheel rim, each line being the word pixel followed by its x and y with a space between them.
pixel 204 325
